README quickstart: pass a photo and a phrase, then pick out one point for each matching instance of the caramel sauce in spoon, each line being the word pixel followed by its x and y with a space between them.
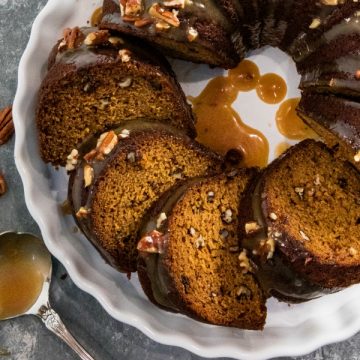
pixel 22 274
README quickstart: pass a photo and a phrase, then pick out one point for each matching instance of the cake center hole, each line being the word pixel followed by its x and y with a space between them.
pixel 250 108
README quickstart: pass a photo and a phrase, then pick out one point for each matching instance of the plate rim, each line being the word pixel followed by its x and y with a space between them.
pixel 172 339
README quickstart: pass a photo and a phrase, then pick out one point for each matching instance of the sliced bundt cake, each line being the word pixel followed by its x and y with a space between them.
pixel 300 15
pixel 304 232
pixel 119 176
pixel 329 59
pixel 189 258
pixel 273 23
pixel 332 23
pixel 199 31
pixel 95 81
pixel 336 120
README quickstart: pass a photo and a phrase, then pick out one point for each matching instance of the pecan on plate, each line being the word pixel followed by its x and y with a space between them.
pixel 6 124
pixel 3 186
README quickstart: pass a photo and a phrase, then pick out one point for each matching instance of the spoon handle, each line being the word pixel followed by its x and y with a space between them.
pixel 53 322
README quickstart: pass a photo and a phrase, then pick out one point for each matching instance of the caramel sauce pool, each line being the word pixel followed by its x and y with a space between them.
pixel 220 127
pixel 290 124
pixel 21 278
pixel 281 148
pixel 245 76
pixel 271 88
pixel 96 17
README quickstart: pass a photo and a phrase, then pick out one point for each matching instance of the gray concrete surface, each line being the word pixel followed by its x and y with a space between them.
pixel 106 339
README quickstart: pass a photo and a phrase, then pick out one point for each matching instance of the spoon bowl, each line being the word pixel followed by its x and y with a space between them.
pixel 28 293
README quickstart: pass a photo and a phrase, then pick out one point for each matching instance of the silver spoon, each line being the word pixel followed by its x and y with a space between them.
pixel 32 251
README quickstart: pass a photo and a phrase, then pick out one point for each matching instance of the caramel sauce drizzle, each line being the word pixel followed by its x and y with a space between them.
pixel 271 88
pixel 96 17
pixel 245 76
pixel 290 124
pixel 220 127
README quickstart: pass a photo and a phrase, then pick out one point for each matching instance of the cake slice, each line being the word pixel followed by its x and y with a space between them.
pixel 299 16
pixel 120 174
pixel 327 57
pixel 189 30
pixel 331 24
pixel 96 81
pixel 336 120
pixel 189 258
pixel 304 230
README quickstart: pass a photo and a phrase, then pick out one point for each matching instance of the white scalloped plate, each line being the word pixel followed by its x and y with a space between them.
pixel 291 331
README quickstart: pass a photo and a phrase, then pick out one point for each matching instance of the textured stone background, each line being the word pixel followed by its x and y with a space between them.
pixel 26 338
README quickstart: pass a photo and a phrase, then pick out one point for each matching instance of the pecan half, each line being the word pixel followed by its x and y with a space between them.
pixel 6 124
pixel 3 186
pixel 169 17
pixel 73 37
pixel 131 7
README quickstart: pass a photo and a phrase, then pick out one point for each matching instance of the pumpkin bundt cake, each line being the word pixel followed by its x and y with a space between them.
pixel 304 230
pixel 95 81
pixel 189 258
pixel 336 120
pixel 120 174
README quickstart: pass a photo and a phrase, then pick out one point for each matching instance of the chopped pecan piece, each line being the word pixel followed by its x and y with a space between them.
pixel 106 144
pixel 131 19
pixel 169 17
pixel 97 37
pixel 83 212
pixel 72 160
pixel 124 55
pixel 152 242
pixel 131 7
pixel 192 34
pixel 252 227
pixel 6 124
pixel 88 175
pixel 90 155
pixel 161 26
pixel 143 22
pixel 73 38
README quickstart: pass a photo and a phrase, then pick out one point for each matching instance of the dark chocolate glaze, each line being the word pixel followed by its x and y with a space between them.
pixel 276 275
pixel 338 115
pixel 216 35
pixel 331 23
pixel 85 61
pixel 293 273
pixel 81 196
pixel 153 268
